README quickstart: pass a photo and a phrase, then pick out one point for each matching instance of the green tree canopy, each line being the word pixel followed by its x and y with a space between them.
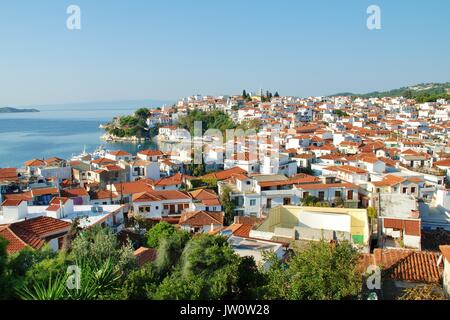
pixel 319 272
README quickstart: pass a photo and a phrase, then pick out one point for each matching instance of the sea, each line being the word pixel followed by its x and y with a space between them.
pixel 63 130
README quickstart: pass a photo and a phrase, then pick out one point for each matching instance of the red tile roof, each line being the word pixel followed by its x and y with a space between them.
pixel 8 174
pixel 201 218
pixel 44 191
pixel 74 193
pixel 32 232
pixel 35 163
pixel 151 153
pixel 119 153
pixel 225 174
pixel 144 255
pixel 405 265
pixel 411 227
pixel 12 202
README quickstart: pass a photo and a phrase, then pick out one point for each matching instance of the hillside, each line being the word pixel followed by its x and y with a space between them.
pixel 423 92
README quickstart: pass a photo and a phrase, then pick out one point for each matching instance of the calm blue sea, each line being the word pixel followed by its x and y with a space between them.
pixel 61 130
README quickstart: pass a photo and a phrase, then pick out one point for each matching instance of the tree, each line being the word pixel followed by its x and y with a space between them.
pixel 310 201
pixel 227 204
pixel 250 279
pixel 141 113
pixel 207 269
pixel 276 94
pixel 157 232
pixel 6 280
pixel 321 271
pixel 98 245
pixel 141 283
pixel 169 250
pixel 372 214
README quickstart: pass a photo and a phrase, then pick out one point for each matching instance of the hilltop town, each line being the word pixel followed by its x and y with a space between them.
pixel 369 172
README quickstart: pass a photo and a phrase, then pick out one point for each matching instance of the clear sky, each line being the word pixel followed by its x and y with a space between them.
pixel 167 49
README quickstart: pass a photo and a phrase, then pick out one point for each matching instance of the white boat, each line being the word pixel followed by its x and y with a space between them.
pixel 82 156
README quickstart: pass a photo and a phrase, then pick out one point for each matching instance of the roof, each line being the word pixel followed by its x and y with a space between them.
pixel 103 161
pixel 32 232
pixel 12 202
pixel 170 181
pixel 347 169
pixel 75 192
pixel 225 174
pixel 445 252
pixel 201 218
pixel 103 194
pixel 144 255
pixel 160 195
pixel 443 163
pixel 15 243
pixel 119 153
pixel 389 180
pixel 142 185
pixel 35 163
pixel 411 227
pixel 405 265
pixel 8 174
pixel 319 186
pixel 44 191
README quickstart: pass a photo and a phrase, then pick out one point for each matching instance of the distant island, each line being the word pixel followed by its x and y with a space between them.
pixel 14 110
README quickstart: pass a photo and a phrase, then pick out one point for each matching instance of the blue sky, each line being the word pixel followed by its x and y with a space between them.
pixel 166 49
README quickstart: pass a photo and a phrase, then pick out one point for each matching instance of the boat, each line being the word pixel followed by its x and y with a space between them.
pixel 82 156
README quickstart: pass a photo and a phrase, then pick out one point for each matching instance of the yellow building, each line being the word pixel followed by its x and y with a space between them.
pixel 309 222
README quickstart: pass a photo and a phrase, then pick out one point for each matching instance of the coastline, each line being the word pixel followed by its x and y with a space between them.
pixel 112 138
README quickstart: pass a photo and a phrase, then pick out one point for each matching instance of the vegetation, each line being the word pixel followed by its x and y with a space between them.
pixel 424 292
pixel 186 267
pixel 227 204
pixel 159 231
pixel 340 113
pixel 319 272
pixel 424 92
pixel 210 120
pixel 132 126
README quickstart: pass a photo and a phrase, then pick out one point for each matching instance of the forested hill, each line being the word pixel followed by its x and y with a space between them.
pixel 424 92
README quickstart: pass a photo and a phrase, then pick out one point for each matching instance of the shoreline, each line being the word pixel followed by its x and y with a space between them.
pixel 112 138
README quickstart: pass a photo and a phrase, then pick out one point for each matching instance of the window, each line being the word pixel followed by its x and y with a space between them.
pixel 305 194
pixel 321 195
pixel 404 190
pixel 253 202
pixel 286 201
pixel 157 207
pixel 337 194
pixel 248 182
pixel 413 189
pixel 350 195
